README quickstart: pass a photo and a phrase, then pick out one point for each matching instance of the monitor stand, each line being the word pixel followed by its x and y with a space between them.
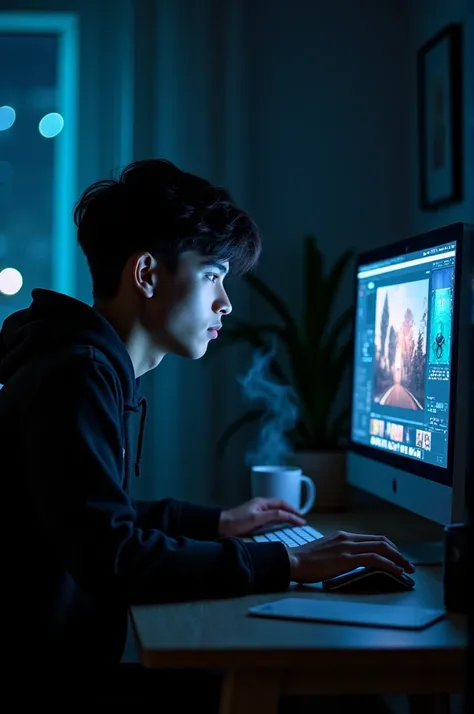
pixel 423 552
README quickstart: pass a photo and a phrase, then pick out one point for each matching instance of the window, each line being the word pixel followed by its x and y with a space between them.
pixel 38 115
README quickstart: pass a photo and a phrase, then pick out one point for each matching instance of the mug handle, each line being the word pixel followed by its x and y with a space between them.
pixel 311 494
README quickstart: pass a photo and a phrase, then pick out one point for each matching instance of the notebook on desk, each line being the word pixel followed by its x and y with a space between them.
pixel 348 612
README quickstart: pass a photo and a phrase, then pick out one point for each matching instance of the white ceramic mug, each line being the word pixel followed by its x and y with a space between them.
pixel 284 482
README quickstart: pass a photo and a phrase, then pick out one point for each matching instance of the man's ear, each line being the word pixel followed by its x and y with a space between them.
pixel 145 273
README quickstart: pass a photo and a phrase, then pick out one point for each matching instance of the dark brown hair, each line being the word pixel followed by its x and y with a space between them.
pixel 153 206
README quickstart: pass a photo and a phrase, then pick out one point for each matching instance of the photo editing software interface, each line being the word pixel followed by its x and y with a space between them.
pixel 402 365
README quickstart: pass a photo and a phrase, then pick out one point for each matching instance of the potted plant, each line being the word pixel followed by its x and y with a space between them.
pixel 318 353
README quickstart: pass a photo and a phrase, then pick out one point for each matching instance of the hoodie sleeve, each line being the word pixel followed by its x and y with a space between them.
pixel 179 518
pixel 75 458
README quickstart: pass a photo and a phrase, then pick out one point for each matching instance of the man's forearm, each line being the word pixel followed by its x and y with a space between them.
pixel 179 518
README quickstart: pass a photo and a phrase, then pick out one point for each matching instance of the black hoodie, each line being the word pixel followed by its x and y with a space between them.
pixel 81 550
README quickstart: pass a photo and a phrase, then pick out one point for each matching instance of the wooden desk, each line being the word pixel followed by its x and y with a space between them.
pixel 265 659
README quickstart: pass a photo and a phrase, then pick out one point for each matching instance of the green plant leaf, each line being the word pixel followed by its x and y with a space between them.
pixel 247 418
pixel 313 278
pixel 335 375
pixel 274 300
pixel 322 304
pixel 333 338
pixel 340 424
pixel 336 274
pixel 301 434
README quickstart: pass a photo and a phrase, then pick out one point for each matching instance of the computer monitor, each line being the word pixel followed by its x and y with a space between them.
pixel 412 373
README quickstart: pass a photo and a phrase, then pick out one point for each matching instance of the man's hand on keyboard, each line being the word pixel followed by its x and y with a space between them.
pixel 338 553
pixel 244 519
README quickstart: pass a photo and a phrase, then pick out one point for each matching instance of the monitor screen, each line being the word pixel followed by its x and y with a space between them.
pixel 402 354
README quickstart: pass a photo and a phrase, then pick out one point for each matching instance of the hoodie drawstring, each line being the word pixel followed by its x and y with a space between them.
pixel 142 404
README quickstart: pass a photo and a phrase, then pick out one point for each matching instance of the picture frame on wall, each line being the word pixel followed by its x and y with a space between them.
pixel 439 99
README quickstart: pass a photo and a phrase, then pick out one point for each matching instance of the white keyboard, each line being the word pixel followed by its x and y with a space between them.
pixel 290 536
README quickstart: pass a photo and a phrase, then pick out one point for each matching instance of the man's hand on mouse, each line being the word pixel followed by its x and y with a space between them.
pixel 341 552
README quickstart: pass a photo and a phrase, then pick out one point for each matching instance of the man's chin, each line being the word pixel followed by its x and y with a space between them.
pixel 192 352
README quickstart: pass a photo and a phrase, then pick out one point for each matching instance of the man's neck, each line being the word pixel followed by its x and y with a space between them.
pixel 134 337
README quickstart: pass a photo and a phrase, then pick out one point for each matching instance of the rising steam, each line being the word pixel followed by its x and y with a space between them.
pixel 281 412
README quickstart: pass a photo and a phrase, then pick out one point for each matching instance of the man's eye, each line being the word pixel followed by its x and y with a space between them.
pixel 212 277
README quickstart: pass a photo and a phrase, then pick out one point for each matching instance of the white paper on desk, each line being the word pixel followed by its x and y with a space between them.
pixel 348 612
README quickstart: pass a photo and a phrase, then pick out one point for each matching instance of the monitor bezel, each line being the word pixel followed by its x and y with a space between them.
pixel 431 239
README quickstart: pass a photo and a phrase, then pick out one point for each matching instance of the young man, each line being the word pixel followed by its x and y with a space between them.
pixel 159 243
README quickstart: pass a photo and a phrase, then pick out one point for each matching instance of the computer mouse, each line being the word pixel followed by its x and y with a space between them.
pixel 364 580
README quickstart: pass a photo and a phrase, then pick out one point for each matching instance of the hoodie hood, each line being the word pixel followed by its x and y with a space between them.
pixel 56 320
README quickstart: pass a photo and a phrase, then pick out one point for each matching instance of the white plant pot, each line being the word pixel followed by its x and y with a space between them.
pixel 327 469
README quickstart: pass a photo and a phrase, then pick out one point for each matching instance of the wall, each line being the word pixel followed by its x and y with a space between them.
pixel 427 18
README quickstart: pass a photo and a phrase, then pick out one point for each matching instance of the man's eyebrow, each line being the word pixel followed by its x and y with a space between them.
pixel 209 263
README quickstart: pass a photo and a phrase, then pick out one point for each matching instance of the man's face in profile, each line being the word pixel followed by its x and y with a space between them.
pixel 187 305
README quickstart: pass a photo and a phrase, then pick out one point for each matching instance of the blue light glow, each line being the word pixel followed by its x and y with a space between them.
pixel 51 125
pixel 7 117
